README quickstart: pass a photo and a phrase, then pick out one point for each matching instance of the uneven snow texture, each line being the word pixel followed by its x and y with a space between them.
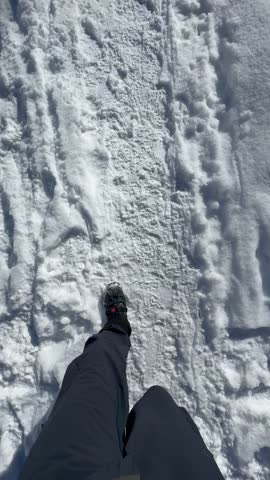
pixel 134 146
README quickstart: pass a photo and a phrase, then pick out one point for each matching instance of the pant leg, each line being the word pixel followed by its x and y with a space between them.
pixel 165 442
pixel 84 432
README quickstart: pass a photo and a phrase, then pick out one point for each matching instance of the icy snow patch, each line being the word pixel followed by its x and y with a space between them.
pixel 134 147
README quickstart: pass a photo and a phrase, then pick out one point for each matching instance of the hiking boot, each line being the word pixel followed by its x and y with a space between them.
pixel 115 305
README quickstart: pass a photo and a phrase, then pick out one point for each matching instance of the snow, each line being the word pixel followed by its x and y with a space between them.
pixel 134 146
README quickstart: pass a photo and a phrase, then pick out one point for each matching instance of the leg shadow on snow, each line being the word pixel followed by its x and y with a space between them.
pixel 13 470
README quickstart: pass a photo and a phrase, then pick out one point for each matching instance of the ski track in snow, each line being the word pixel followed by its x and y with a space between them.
pixel 134 148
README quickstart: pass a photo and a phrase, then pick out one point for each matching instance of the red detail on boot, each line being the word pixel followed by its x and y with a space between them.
pixel 113 310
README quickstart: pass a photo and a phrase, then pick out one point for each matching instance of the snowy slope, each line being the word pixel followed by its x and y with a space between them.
pixel 134 146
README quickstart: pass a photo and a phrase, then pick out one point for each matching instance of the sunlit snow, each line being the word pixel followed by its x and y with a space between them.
pixel 134 147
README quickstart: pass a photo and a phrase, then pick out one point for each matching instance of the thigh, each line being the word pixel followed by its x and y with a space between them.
pixel 165 441
pixel 82 435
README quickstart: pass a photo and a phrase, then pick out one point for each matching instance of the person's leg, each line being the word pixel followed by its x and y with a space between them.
pixel 165 442
pixel 84 432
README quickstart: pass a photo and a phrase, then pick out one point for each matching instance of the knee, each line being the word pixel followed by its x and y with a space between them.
pixel 157 391
pixel 156 399
pixel 156 388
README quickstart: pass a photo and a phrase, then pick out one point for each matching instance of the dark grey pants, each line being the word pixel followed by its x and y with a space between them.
pixel 84 437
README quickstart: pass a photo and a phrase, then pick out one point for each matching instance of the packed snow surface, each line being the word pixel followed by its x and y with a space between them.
pixel 134 146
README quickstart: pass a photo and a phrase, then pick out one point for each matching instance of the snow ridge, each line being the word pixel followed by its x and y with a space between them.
pixel 128 153
pixel 199 75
